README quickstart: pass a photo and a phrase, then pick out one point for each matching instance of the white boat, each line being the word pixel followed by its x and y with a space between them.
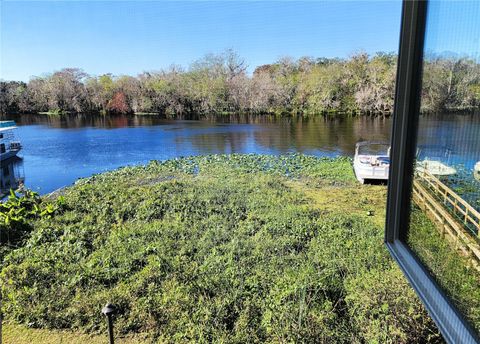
pixel 435 160
pixel 476 170
pixel 371 161
pixel 435 167
pixel 9 145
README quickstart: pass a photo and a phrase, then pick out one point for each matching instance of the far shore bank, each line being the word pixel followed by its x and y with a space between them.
pixel 195 115
pixel 333 113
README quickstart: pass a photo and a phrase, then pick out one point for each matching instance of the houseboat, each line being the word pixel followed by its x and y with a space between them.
pixel 9 145
pixel 371 161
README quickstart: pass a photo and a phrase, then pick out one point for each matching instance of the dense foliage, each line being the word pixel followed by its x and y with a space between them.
pixel 15 216
pixel 220 83
pixel 231 248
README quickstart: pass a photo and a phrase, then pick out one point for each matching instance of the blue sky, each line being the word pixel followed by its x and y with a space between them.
pixel 131 37
pixel 453 26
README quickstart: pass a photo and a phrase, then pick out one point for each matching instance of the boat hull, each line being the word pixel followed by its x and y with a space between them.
pixel 9 154
pixel 371 161
pixel 364 173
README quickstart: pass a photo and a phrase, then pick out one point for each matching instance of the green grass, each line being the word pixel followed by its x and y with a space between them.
pixel 16 334
pixel 229 248
pixel 452 271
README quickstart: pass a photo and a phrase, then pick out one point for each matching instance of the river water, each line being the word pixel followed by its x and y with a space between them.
pixel 59 150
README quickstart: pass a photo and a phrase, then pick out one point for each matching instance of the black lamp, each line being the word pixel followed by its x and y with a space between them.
pixel 108 311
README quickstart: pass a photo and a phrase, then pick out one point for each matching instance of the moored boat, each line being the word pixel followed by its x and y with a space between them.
pixel 9 144
pixel 434 160
pixel 476 170
pixel 371 161
pixel 435 167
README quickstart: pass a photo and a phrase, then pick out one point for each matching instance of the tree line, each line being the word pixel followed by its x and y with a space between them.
pixel 219 83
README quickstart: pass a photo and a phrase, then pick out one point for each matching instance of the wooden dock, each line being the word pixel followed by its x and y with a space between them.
pixel 457 221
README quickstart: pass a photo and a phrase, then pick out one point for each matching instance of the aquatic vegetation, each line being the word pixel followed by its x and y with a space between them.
pixel 221 248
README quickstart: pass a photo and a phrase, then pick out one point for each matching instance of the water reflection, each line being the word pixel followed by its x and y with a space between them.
pixel 60 149
pixel 11 175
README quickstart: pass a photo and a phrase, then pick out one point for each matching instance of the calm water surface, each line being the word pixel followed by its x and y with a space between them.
pixel 59 150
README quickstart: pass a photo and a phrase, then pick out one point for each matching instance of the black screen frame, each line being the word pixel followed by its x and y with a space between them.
pixel 452 325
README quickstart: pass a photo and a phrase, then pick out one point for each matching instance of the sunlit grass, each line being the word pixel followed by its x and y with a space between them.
pixel 229 248
pixel 17 334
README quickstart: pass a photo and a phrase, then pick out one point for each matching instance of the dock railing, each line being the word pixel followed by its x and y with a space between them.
pixel 457 220
pixel 461 208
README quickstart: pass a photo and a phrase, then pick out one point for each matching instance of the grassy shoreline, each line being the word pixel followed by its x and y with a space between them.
pixel 232 248
pixel 18 334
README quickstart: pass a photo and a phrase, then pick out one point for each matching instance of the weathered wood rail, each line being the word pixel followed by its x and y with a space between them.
pixel 456 220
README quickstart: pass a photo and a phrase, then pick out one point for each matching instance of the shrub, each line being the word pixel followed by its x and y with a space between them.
pixel 17 214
